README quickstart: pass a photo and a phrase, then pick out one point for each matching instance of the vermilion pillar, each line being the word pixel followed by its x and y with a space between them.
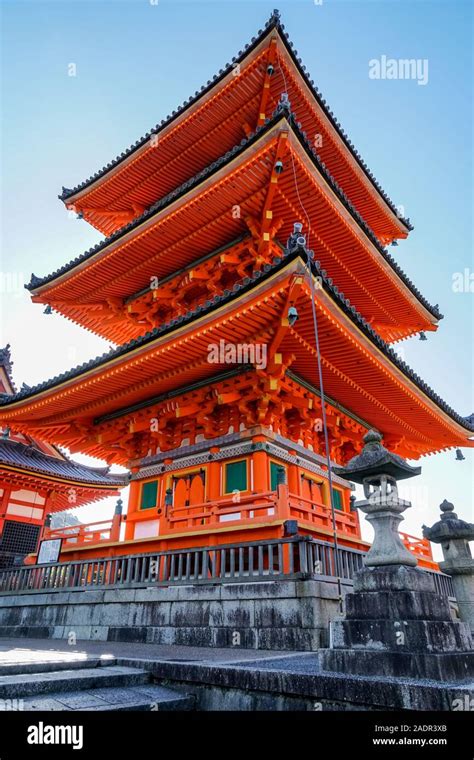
pixel 214 475
pixel 132 506
pixel 293 477
pixel 260 467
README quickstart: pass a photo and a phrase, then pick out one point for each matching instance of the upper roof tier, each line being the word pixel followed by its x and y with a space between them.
pixel 216 118
pixel 260 187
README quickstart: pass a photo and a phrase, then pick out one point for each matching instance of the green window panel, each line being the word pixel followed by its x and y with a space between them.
pixel 149 494
pixel 236 476
pixel 274 466
pixel 337 499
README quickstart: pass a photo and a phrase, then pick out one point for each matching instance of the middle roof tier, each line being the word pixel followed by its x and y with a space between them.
pixel 255 192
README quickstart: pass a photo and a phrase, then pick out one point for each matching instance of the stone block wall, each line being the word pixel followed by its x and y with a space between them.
pixel 280 615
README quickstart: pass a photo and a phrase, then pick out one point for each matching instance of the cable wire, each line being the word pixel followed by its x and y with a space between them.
pixel 320 372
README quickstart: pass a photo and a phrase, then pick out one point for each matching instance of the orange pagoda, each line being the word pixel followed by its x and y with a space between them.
pixel 211 293
pixel 37 480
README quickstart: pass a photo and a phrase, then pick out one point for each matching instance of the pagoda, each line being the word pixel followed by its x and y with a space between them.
pixel 243 233
pixel 37 481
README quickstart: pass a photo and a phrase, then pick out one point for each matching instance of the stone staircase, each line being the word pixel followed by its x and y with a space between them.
pixel 92 684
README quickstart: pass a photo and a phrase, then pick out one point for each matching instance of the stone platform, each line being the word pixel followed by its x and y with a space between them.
pixel 215 679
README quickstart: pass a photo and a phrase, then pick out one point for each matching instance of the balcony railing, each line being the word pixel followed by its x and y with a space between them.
pixel 299 557
pixel 84 533
pixel 242 509
pixel 420 547
pixel 319 515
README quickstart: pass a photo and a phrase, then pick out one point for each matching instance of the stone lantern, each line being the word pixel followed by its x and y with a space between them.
pixel 454 535
pixel 378 470
pixel 395 623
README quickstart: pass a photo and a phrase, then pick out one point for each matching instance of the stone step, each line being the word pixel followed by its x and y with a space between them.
pixel 146 697
pixel 80 679
pixel 50 665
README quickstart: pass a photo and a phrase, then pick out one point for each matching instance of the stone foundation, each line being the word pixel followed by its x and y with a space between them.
pixel 279 615
pixel 397 625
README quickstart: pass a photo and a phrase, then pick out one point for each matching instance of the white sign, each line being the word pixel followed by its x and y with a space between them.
pixel 49 551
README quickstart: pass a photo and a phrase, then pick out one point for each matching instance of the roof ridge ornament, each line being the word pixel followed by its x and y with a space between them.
pixel 275 17
pixel 34 281
pixel 6 357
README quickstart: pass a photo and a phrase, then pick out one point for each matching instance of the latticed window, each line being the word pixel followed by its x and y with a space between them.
pixel 18 539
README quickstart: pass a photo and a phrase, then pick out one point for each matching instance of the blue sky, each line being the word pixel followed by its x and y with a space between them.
pixel 137 61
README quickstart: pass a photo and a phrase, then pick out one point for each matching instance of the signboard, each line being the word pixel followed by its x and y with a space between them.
pixel 49 551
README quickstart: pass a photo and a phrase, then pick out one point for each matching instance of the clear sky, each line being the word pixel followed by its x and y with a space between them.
pixel 137 60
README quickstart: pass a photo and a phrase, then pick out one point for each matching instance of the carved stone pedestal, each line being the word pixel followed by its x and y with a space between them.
pixel 397 625
pixel 454 535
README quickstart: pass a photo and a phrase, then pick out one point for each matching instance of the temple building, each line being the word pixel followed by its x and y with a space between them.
pixel 37 481
pixel 243 232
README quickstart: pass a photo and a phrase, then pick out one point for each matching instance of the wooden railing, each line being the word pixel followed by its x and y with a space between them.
pixel 242 509
pixel 319 514
pixel 84 533
pixel 288 558
pixel 420 547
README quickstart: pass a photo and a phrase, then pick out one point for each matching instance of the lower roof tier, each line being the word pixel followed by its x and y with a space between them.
pixel 68 484
pixel 248 326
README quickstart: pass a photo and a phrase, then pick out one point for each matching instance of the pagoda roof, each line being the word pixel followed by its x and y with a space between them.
pixel 29 464
pixel 134 167
pixel 27 461
pixel 381 385
pixel 26 457
pixel 53 288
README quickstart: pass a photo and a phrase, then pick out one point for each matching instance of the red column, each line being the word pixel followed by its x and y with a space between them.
pixel 260 467
pixel 214 473
pixel 293 477
pixel 132 506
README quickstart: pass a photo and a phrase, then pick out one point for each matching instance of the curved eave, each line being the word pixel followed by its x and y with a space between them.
pixel 339 138
pixel 291 263
pixel 44 477
pixel 281 120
